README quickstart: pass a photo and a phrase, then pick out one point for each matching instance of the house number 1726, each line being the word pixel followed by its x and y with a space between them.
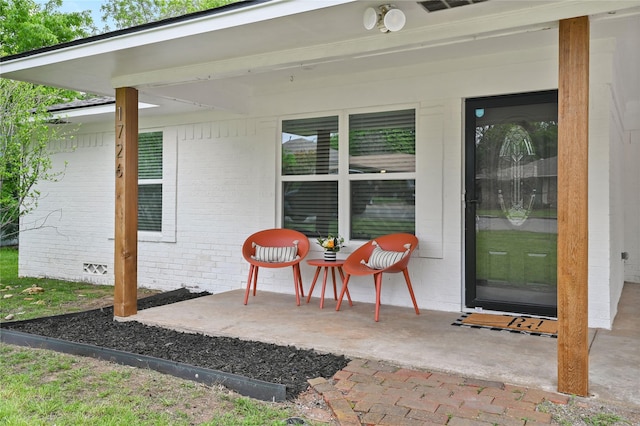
pixel 119 148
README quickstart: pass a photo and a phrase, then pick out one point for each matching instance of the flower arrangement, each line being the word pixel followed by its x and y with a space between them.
pixel 331 243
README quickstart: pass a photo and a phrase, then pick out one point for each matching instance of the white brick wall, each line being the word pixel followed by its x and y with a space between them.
pixel 225 178
pixel 75 216
pixel 631 198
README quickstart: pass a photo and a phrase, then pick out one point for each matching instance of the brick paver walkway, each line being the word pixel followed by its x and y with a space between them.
pixel 373 393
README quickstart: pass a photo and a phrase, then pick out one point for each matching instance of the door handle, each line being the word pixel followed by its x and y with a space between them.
pixel 471 204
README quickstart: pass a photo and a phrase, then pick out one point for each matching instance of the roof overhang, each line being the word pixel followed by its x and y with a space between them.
pixel 216 59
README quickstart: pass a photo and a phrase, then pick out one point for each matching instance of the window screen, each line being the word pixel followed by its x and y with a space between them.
pixel 382 142
pixel 311 207
pixel 382 145
pixel 385 207
pixel 150 155
pixel 310 146
pixel 378 184
pixel 150 207
pixel 150 181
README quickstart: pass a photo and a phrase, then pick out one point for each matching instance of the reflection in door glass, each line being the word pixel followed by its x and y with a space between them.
pixel 515 208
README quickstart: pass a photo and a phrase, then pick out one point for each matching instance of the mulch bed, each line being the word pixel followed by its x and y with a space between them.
pixel 272 363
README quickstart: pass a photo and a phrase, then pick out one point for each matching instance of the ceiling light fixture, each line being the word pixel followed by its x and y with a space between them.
pixel 386 17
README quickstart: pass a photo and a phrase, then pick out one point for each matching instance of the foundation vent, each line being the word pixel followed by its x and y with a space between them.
pixel 94 269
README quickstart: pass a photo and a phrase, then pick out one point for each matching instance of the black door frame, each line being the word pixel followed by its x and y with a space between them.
pixel 470 199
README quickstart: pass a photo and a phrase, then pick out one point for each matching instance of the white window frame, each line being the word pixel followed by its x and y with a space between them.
pixel 169 187
pixel 343 177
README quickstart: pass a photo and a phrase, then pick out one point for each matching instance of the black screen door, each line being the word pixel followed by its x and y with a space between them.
pixel 511 203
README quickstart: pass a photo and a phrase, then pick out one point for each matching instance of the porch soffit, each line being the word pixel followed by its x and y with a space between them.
pixel 311 47
pixel 264 43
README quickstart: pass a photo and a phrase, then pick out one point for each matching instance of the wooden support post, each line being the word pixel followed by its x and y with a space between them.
pixel 573 226
pixel 126 221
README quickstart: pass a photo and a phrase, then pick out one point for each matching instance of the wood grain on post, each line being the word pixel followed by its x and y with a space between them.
pixel 126 218
pixel 573 227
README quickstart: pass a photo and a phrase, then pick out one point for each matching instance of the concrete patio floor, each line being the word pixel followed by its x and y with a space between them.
pixel 427 341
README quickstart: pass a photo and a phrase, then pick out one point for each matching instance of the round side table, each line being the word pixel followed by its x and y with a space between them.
pixel 326 264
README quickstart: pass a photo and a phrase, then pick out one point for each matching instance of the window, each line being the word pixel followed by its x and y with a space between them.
pixel 150 181
pixel 377 177
pixel 382 144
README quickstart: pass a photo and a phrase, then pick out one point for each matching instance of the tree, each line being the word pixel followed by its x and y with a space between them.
pixel 25 124
pixel 129 13
pixel 26 25
pixel 25 129
pixel 24 157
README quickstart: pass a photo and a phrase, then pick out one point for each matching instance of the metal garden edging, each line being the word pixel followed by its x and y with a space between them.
pixel 246 386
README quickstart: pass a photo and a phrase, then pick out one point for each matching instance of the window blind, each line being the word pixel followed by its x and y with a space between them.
pixel 150 193
pixel 150 155
pixel 382 142
pixel 310 146
pixel 150 207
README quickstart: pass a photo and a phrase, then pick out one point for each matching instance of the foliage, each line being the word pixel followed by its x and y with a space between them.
pixel 383 140
pixel 489 140
pixel 331 242
pixel 27 25
pixel 130 13
pixel 25 128
pixel 298 163
pixel 603 419
pixel 25 133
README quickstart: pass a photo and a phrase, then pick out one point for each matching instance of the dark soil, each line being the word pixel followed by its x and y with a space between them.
pixel 286 365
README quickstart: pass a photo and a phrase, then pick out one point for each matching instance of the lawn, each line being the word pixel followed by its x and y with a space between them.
pixel 517 257
pixel 41 387
pixel 26 298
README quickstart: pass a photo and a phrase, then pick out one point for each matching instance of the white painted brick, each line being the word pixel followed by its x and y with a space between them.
pixel 226 179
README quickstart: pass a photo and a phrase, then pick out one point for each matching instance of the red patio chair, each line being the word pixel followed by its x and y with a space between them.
pixel 392 254
pixel 275 248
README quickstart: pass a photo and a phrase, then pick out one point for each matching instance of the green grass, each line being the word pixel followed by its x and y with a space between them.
pixel 40 387
pixel 363 227
pixel 537 213
pixel 603 419
pixel 516 265
pixel 58 297
pixel 366 228
pixel 8 264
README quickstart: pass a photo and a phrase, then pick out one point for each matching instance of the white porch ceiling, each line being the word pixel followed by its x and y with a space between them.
pixel 217 60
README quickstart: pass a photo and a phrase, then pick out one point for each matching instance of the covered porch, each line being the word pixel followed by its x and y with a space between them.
pixel 221 83
pixel 428 341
